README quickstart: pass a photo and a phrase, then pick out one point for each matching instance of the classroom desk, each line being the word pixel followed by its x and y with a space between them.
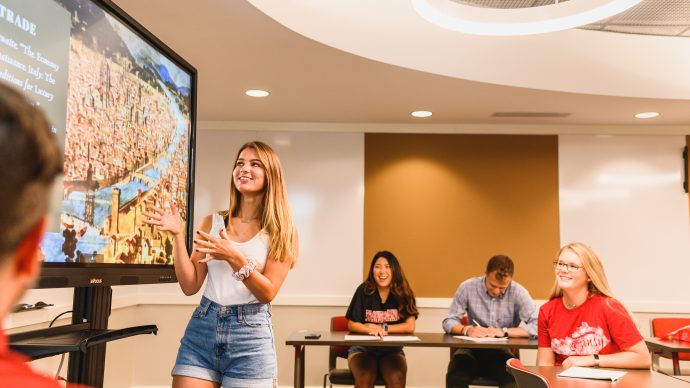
pixel 659 345
pixel 634 378
pixel 683 378
pixel 427 340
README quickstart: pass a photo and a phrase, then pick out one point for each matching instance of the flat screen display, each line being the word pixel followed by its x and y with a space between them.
pixel 122 106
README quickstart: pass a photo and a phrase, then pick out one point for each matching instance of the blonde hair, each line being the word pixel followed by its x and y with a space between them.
pixel 593 268
pixel 276 217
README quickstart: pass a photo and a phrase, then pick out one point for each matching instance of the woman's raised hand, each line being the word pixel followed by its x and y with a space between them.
pixel 218 248
pixel 167 221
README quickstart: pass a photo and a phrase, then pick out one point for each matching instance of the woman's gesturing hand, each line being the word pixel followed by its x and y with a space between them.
pixel 218 248
pixel 166 221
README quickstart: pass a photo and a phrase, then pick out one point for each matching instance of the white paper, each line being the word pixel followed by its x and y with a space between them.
pixel 355 337
pixel 481 339
pixel 592 373
pixel 400 338
pixel 394 338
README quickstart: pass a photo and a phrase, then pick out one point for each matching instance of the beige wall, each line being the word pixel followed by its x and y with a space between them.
pixel 444 204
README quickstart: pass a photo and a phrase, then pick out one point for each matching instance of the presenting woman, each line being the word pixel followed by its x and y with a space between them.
pixel 246 253
pixel 582 324
pixel 383 304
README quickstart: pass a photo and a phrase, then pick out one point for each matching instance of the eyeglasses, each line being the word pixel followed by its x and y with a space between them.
pixel 566 267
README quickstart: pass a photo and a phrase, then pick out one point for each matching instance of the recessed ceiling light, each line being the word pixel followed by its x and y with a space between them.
pixel 256 93
pixel 647 115
pixel 421 113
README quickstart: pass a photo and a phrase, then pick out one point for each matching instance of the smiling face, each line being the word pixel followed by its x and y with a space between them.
pixel 570 275
pixel 383 274
pixel 249 175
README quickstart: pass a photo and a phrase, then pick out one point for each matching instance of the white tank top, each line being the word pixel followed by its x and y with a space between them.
pixel 221 287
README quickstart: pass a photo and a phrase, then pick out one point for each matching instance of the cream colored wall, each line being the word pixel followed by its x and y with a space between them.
pixel 145 361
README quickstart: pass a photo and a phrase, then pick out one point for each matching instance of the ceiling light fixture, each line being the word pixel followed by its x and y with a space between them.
pixel 475 20
pixel 421 113
pixel 647 115
pixel 256 93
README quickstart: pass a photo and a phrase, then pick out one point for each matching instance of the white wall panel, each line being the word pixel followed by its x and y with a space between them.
pixel 623 196
pixel 325 179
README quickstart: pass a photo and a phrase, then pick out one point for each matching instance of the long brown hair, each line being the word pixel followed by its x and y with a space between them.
pixel 399 285
pixel 276 217
pixel 593 267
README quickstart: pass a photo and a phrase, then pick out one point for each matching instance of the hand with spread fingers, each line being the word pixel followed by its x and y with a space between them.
pixel 218 248
pixel 166 221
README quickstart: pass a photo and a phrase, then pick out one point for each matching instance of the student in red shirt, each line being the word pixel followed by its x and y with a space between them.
pixel 30 161
pixel 582 324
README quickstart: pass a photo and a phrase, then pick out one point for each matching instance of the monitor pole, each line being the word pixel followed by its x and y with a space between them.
pixel 90 304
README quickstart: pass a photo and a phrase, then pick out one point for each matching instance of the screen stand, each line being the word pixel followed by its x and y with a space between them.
pixel 92 305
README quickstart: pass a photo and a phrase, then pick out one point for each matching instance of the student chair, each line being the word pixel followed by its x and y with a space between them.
pixel 340 376
pixel 660 327
pixel 525 378
pixel 481 380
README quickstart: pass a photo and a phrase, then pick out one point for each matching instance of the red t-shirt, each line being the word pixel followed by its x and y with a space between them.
pixel 601 325
pixel 15 372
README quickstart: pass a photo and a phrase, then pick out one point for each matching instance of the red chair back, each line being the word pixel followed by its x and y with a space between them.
pixel 662 326
pixel 525 378
pixel 339 323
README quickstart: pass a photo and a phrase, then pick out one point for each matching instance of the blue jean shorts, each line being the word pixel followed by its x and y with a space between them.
pixel 230 345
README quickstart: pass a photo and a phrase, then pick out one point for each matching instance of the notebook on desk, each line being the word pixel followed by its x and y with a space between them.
pixel 592 373
pixel 392 338
pixel 481 339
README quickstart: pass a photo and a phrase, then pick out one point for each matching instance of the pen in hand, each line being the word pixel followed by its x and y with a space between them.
pixel 482 332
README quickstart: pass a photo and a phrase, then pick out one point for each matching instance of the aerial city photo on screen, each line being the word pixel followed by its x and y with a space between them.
pixel 126 144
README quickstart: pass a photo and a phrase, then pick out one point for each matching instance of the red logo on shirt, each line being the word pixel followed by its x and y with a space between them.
pixel 584 340
pixel 390 315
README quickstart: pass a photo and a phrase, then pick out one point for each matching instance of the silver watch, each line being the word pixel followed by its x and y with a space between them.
pixel 505 332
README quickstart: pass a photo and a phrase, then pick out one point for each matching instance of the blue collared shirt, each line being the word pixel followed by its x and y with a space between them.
pixel 511 308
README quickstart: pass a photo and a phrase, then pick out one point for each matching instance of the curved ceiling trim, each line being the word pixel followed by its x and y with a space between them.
pixel 575 60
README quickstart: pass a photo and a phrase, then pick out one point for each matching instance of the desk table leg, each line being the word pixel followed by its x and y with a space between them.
pixel 676 363
pixel 299 366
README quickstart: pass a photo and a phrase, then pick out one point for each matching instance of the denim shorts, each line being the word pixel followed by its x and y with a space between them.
pixel 376 351
pixel 230 345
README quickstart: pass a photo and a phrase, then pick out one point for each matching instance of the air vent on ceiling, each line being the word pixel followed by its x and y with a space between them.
pixel 530 115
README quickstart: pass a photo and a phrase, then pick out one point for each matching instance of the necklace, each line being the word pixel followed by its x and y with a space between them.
pixel 573 305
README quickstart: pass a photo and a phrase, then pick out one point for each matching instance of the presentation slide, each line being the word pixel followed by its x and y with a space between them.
pixel 34 54
pixel 121 111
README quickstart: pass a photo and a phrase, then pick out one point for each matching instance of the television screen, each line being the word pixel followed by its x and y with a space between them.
pixel 122 106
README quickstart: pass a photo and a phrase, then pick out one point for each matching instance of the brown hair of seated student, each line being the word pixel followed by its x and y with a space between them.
pixel 400 287
pixel 30 160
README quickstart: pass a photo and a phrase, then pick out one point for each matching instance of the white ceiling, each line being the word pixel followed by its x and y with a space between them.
pixel 235 47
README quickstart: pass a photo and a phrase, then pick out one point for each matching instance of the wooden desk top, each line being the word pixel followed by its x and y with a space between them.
pixel 439 340
pixel 634 378
pixel 667 345
pixel 683 378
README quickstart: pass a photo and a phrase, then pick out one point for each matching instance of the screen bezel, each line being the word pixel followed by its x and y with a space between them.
pixel 59 275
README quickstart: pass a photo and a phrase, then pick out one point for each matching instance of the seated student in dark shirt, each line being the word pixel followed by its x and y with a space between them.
pixel 383 304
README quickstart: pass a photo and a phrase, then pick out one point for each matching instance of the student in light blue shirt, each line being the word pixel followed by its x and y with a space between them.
pixel 495 306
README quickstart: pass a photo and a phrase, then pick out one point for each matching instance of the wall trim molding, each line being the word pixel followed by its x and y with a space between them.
pixel 36 317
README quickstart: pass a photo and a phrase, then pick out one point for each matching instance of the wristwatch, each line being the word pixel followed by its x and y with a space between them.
pixel 505 332
pixel 385 327
pixel 596 360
